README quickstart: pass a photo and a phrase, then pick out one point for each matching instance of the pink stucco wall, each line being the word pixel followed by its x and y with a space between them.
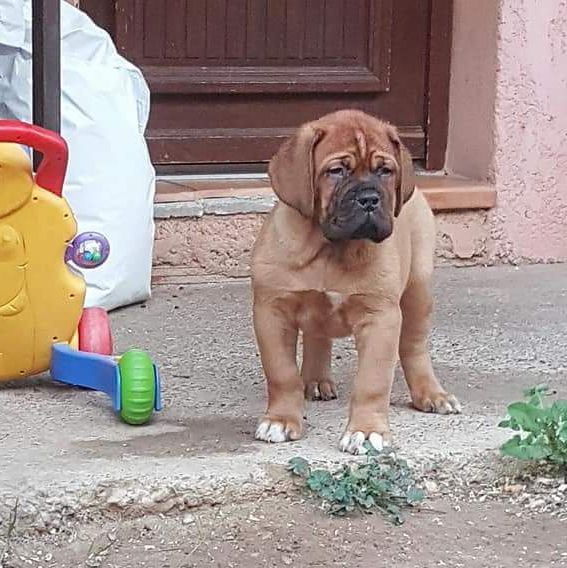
pixel 530 161
pixel 470 148
pixel 509 120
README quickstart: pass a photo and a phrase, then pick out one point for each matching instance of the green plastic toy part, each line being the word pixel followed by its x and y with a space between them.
pixel 138 389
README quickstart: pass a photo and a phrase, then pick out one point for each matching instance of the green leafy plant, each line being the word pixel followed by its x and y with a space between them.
pixel 541 427
pixel 382 483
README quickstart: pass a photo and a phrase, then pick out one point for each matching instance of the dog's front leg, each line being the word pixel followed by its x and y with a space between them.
pixel 377 340
pixel 277 341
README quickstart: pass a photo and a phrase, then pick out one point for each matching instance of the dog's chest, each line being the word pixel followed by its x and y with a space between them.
pixel 336 299
pixel 325 313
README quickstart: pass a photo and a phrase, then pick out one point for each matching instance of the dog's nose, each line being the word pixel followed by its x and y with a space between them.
pixel 368 199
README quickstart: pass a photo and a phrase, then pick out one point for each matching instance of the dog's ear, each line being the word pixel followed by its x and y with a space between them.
pixel 405 182
pixel 292 170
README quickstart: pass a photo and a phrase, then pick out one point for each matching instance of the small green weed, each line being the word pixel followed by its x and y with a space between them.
pixel 542 429
pixel 382 483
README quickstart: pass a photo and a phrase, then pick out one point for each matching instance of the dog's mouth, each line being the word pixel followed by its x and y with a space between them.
pixel 368 228
pixel 359 214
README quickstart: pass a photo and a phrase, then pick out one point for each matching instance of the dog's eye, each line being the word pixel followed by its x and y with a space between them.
pixel 337 171
pixel 385 171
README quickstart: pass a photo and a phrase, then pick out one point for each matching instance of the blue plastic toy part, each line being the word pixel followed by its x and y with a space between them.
pixel 158 405
pixel 93 371
pixel 87 370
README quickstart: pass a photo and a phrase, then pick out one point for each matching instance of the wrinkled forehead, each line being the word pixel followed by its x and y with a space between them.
pixel 361 141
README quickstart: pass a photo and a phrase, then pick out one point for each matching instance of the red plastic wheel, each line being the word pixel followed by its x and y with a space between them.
pixel 94 332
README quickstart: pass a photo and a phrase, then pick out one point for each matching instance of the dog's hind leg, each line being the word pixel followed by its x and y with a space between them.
pixel 426 392
pixel 316 368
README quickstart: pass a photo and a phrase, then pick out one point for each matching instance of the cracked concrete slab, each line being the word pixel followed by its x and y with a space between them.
pixel 63 451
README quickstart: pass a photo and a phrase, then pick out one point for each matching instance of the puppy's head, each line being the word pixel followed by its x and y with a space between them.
pixel 347 171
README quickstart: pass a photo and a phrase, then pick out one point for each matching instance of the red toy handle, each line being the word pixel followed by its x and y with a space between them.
pixel 51 171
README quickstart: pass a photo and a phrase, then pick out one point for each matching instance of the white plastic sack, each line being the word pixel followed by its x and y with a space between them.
pixel 110 181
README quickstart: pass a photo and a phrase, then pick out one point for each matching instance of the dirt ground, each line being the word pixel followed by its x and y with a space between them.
pixel 66 459
pixel 278 532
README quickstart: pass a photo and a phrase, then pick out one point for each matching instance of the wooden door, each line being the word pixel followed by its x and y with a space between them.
pixel 230 79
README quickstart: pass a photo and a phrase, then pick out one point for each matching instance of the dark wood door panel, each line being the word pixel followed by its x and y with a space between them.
pixel 196 146
pixel 249 128
pixel 234 140
pixel 258 46
pixel 230 79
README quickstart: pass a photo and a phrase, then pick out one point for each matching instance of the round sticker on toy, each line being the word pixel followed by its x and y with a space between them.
pixel 88 250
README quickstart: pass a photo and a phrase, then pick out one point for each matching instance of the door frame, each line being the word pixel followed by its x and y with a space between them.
pixel 438 70
pixel 438 82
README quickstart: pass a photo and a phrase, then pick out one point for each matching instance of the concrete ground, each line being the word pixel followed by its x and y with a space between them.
pixel 64 455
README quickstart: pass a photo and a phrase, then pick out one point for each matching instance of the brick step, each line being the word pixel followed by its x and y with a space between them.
pixel 206 226
pixel 443 192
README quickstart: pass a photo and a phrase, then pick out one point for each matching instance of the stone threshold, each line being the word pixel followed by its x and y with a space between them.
pixel 197 196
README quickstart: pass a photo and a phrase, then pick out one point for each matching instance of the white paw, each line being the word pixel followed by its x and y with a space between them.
pixel 452 405
pixel 269 431
pixel 320 390
pixel 440 404
pixel 444 404
pixel 353 442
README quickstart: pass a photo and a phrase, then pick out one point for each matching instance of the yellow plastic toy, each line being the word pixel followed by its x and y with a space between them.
pixel 41 300
pixel 42 321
